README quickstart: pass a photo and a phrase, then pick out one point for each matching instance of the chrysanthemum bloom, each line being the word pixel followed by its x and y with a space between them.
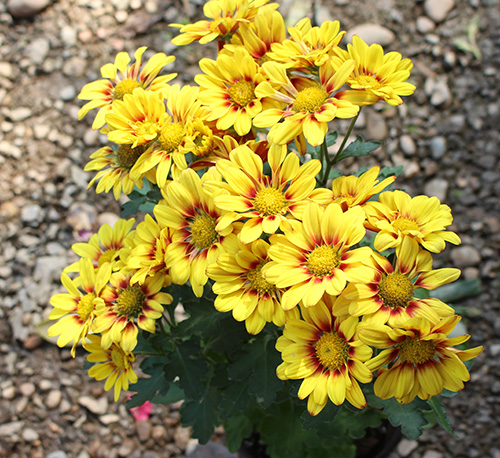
pixel 171 145
pixel 228 88
pixel 137 119
pixel 422 359
pixel 128 304
pixel 396 215
pixel 242 289
pixel 309 105
pixel 258 36
pixel 76 309
pixel 121 78
pixel 376 76
pixel 349 191
pixel 309 47
pixel 327 353
pixel 226 16
pixel 104 246
pixel 315 255
pixel 147 256
pixel 115 365
pixel 389 296
pixel 265 201
pixel 190 213
pixel 114 165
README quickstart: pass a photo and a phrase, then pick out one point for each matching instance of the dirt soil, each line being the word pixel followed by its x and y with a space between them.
pixel 446 135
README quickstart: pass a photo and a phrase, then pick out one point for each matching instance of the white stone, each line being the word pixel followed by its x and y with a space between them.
pixel 465 256
pixel 38 50
pixel 372 33
pixel 6 69
pixel 53 399
pixel 425 25
pixel 432 454
pixel 96 406
pixel 26 8
pixel 437 10
pixel 20 114
pixel 406 446
pixel 30 435
pixel 407 145
pixel 437 187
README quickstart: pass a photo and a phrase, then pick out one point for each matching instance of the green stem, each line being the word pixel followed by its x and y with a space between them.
pixel 327 165
pixel 347 135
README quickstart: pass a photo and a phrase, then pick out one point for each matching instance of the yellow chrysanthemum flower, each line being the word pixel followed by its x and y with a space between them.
pixel 128 304
pixel 137 119
pixel 76 309
pixel 422 359
pixel 171 144
pixel 315 256
pixel 228 88
pixel 189 212
pixel 389 295
pixel 258 36
pixel 327 354
pixel 396 215
pixel 114 165
pixel 226 16
pixel 121 78
pixel 265 201
pixel 376 76
pixel 349 191
pixel 309 105
pixel 309 47
pixel 115 365
pixel 242 289
pixel 104 246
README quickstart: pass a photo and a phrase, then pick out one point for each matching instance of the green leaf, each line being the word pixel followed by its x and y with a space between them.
pixel 440 413
pixel 234 399
pixel 331 138
pixel 358 148
pixel 173 394
pixel 237 428
pixel 201 415
pixel 458 290
pixel 131 207
pixel 328 414
pixel 147 388
pixel 387 171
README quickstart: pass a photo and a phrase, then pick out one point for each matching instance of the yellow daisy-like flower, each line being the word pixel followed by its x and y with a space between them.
pixel 228 88
pixel 389 295
pixel 121 78
pixel 309 47
pixel 137 119
pixel 376 76
pixel 115 365
pixel 147 256
pixel 171 145
pixel 128 304
pixel 76 309
pixel 396 215
pixel 309 105
pixel 114 165
pixel 192 217
pixel 226 17
pixel 264 201
pixel 242 289
pixel 422 359
pixel 315 255
pixel 327 354
pixel 104 246
pixel 349 191
pixel 258 36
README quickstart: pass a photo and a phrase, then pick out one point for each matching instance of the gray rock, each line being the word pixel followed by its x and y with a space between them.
pixel 30 435
pixel 8 149
pixel 407 145
pixel 26 8
pixel 432 454
pixel 68 35
pixel 144 428
pixel 425 25
pixel 53 399
pixel 20 114
pixel 406 446
pixel 438 10
pixel 27 389
pixel 6 69
pixel 38 50
pixel 376 126
pixel 438 147
pixel 32 214
pixel 465 256
pixel 210 450
pixel 372 33
pixel 9 429
pixel 67 93
pixel 57 454
pixel 437 187
pixel 438 91
pixel 97 406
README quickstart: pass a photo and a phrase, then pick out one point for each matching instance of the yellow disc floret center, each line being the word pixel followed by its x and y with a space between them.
pixel 130 301
pixel 147 130
pixel 322 260
pixel 85 306
pixel 126 156
pixel 242 92
pixel 417 351
pixel 332 351
pixel 107 256
pixel 367 82
pixel 396 290
pixel 171 136
pixel 309 100
pixel 203 231
pixel 258 282
pixel 405 224
pixel 270 201
pixel 125 87
pixel 119 358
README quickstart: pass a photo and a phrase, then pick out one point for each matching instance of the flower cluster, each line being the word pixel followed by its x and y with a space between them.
pixel 245 210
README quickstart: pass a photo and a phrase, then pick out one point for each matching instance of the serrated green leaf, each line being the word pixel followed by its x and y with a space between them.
pixel 458 290
pixel 131 207
pixel 358 148
pixel 201 415
pixel 328 414
pixel 173 394
pixel 237 428
pixel 147 388
pixel 387 171
pixel 331 138
pixel 234 399
pixel 440 413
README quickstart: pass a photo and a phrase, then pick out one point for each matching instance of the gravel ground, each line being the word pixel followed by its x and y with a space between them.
pixel 446 135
